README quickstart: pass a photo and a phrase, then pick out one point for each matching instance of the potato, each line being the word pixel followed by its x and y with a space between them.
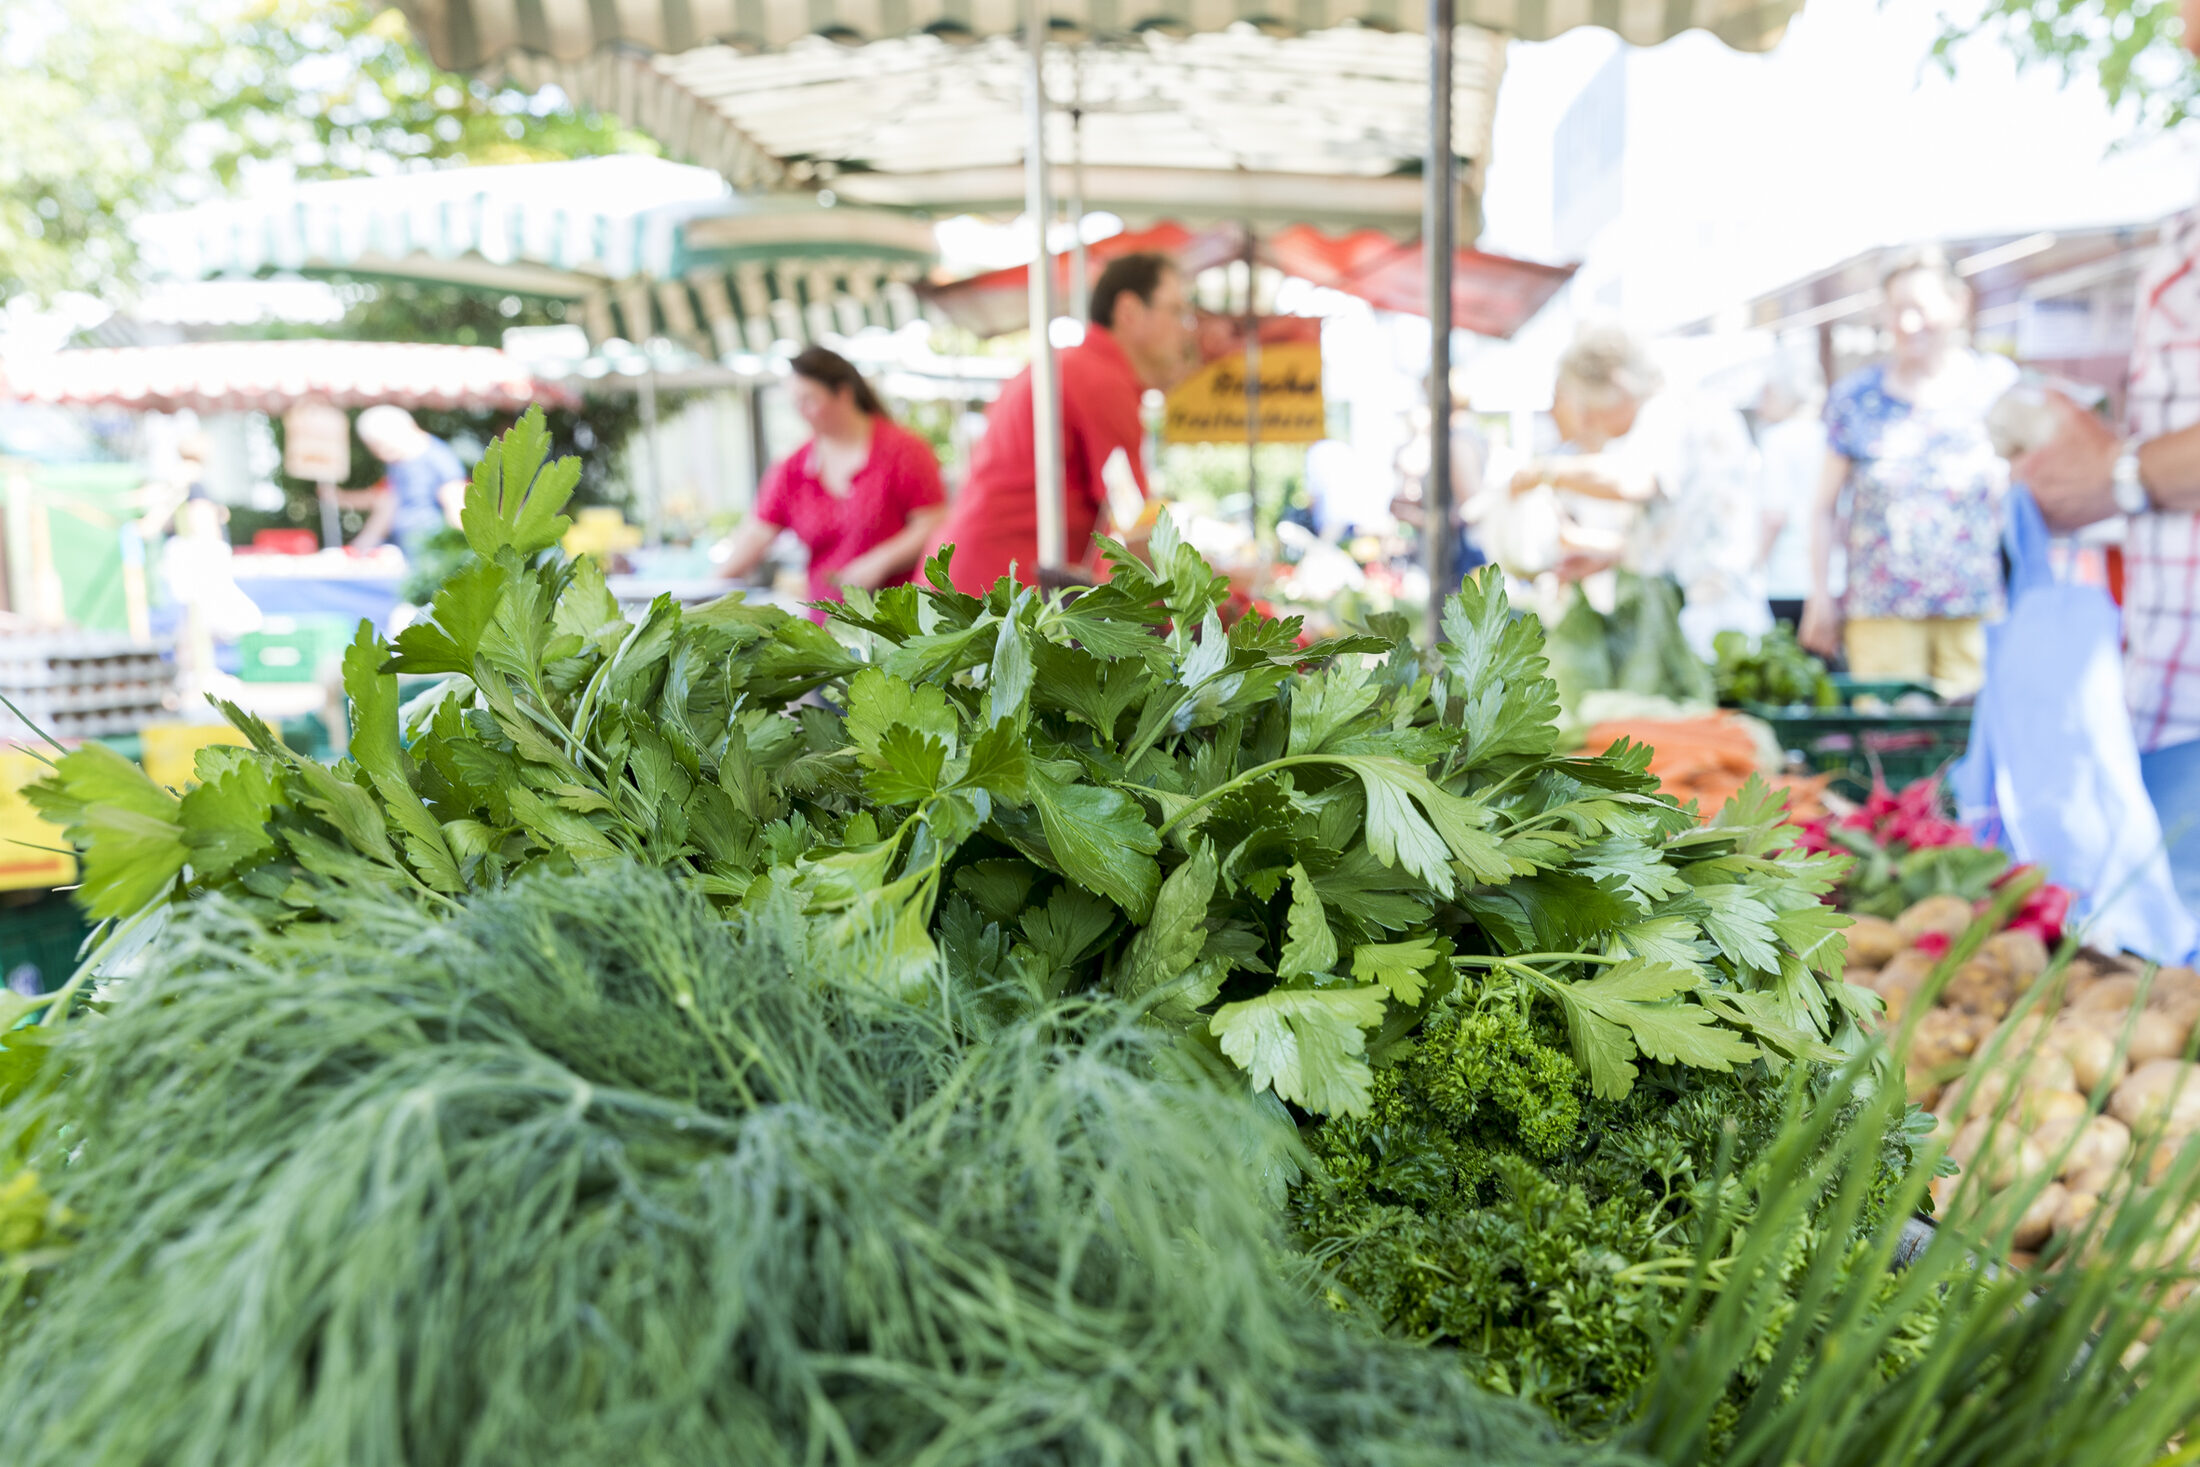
pixel 2077 1210
pixel 2178 980
pixel 2000 1156
pixel 2038 1221
pixel 1942 1038
pixel 2174 1248
pixel 2156 1035
pixel 2091 1052
pixel 2038 1109
pixel 2162 1157
pixel 2006 1084
pixel 1904 972
pixel 1980 986
pixel 1873 942
pixel 2021 954
pixel 2026 1033
pixel 2103 1144
pixel 2160 1095
pixel 2109 995
pixel 1946 914
pixel 2053 1135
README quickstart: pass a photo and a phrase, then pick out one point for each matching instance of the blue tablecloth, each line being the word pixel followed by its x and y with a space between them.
pixel 350 597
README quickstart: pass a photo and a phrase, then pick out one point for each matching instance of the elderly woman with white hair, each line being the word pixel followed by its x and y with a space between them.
pixel 426 482
pixel 1655 480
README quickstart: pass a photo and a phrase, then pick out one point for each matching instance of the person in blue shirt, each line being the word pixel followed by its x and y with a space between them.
pixel 427 483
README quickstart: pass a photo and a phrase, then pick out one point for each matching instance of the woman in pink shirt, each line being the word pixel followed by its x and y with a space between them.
pixel 863 494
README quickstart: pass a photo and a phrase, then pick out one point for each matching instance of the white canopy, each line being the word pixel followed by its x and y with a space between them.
pixel 1328 127
pixel 641 246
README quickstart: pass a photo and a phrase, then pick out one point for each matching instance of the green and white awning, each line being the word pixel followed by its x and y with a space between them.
pixel 468 35
pixel 639 247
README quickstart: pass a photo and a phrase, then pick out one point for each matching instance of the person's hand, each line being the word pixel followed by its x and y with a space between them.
pixel 2071 475
pixel 1579 565
pixel 1533 474
pixel 864 573
pixel 1821 629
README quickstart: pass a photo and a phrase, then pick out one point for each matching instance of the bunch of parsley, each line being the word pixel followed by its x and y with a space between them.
pixel 1490 1201
pixel 1288 852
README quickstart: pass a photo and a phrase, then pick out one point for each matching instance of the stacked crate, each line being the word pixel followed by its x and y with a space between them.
pixel 83 685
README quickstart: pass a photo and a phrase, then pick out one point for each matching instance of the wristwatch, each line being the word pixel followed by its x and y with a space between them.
pixel 2131 495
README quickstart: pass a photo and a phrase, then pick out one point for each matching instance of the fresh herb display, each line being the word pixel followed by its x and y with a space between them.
pixel 1772 669
pixel 1280 849
pixel 710 1036
pixel 585 1176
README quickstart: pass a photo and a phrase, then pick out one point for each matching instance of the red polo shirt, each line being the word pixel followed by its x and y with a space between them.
pixel 994 521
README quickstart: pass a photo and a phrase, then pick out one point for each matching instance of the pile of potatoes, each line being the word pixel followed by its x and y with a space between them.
pixel 2092 1035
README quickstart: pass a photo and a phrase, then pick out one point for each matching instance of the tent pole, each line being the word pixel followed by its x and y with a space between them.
pixel 1252 393
pixel 1046 396
pixel 1080 280
pixel 1438 224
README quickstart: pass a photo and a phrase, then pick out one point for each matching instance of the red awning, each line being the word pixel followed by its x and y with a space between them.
pixel 273 376
pixel 1493 295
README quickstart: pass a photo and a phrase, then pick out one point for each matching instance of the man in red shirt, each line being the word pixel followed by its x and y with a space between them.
pixel 1140 338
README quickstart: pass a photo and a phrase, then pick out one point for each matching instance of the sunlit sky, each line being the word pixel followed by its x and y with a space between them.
pixel 1843 137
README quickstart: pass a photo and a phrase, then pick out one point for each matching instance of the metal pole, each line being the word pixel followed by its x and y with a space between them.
pixel 1438 223
pixel 1046 397
pixel 647 475
pixel 1080 277
pixel 1252 394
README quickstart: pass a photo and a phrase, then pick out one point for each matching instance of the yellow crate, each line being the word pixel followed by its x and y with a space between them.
pixel 22 829
pixel 172 750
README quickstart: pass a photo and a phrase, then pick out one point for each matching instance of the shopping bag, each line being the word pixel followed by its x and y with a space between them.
pixel 2052 774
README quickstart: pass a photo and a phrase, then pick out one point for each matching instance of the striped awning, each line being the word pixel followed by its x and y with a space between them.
pixel 1333 121
pixel 639 247
pixel 273 376
pixel 468 35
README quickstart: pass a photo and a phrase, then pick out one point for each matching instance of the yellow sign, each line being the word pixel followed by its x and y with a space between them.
pixel 172 750
pixel 1209 407
pixel 24 865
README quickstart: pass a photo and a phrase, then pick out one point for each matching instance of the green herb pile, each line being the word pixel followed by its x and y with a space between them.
pixel 1772 669
pixel 1636 647
pixel 1278 849
pixel 1488 1200
pixel 583 1176
pixel 714 1037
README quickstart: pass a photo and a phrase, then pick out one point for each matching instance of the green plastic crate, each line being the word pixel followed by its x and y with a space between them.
pixel 1900 748
pixel 39 939
pixel 292 649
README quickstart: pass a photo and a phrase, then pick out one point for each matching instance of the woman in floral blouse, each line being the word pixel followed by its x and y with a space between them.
pixel 1908 440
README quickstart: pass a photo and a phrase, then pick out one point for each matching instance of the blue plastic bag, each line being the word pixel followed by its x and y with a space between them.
pixel 2053 770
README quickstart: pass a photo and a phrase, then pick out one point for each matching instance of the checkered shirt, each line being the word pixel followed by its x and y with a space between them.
pixel 2162 551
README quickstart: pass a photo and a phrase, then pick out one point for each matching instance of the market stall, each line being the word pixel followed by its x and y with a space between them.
pixel 1216 89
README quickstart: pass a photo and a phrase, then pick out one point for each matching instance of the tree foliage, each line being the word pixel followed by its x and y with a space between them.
pixel 120 107
pixel 2133 48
